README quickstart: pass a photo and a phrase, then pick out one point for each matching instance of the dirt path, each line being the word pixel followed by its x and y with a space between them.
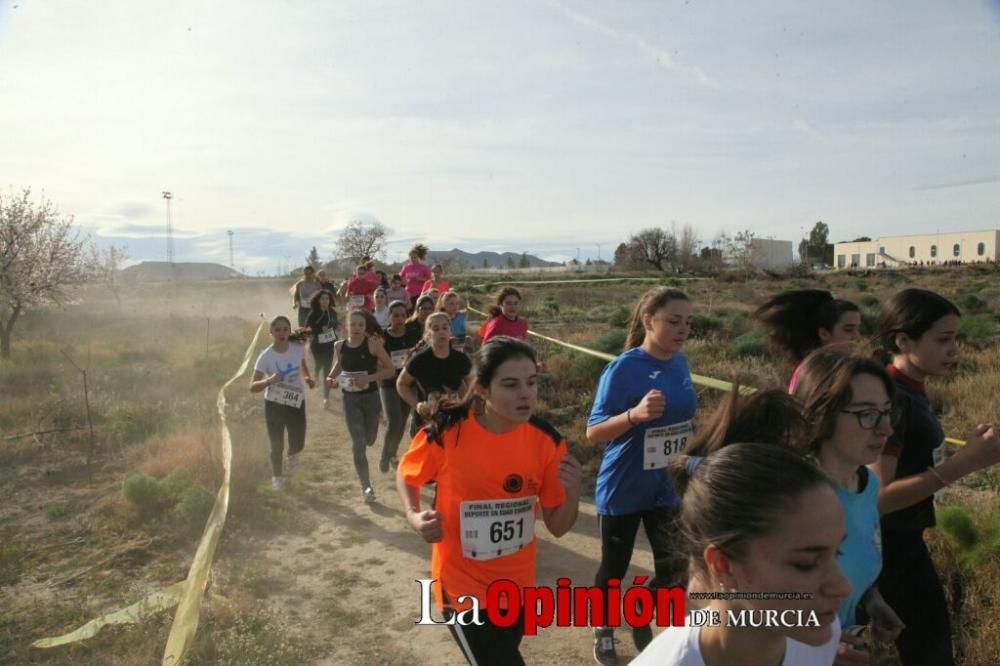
pixel 349 583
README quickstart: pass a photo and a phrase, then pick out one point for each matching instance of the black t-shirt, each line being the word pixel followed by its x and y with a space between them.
pixel 317 321
pixel 913 441
pixel 405 342
pixel 438 374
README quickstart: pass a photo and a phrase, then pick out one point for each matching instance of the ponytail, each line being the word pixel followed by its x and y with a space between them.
pixel 648 304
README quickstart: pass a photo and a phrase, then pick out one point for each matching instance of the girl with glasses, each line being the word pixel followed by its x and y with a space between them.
pixel 848 402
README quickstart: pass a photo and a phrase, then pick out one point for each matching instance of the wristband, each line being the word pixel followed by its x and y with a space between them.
pixel 628 415
pixel 938 476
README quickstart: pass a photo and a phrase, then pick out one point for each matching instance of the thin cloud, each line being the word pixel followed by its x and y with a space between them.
pixel 958 183
pixel 658 56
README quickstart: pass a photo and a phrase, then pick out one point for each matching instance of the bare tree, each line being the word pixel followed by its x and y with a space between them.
pixel 741 251
pixel 687 242
pixel 360 239
pixel 313 258
pixel 105 266
pixel 655 246
pixel 41 257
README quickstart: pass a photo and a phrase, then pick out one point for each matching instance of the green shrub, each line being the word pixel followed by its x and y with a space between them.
pixel 751 343
pixel 869 300
pixel 193 508
pixel 176 483
pixel 620 317
pixel 956 523
pixel 131 423
pixel 145 492
pixel 585 369
pixel 704 324
pixel 610 342
pixel 971 304
pixel 59 510
pixel 978 329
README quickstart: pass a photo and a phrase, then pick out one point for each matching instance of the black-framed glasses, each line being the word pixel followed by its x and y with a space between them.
pixel 869 419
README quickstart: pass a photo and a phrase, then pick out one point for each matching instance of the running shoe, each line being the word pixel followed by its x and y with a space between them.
pixel 369 494
pixel 604 646
pixel 642 636
pixel 383 466
pixel 277 483
pixel 294 462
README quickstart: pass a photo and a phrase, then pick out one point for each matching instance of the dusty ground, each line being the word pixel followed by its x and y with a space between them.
pixel 347 581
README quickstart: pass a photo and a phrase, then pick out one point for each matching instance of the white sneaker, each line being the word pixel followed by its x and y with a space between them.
pixel 369 494
pixel 277 483
pixel 294 462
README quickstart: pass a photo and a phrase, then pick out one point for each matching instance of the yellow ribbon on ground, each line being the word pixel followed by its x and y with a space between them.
pixel 701 380
pixel 186 594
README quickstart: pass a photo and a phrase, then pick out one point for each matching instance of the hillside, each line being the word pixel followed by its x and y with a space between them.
pixel 160 271
pixel 491 259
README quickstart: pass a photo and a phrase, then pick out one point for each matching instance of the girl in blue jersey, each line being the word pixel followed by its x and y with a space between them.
pixel 848 402
pixel 642 415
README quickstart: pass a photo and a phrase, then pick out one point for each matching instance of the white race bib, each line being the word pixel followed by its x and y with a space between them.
pixel 493 528
pixel 938 456
pixel 398 357
pixel 663 444
pixel 284 394
pixel 327 336
pixel 356 301
pixel 352 381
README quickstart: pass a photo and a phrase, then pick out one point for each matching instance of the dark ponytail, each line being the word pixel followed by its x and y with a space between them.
pixel 792 320
pixel 911 312
pixel 648 304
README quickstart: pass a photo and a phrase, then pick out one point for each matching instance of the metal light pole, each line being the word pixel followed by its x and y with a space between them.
pixel 170 230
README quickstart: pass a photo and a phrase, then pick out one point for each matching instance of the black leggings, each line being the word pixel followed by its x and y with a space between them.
pixel 488 644
pixel 618 542
pixel 278 418
pixel 323 355
pixel 910 585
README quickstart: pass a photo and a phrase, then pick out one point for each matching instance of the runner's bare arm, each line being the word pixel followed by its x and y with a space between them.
pixel 406 388
pixel 560 519
pixel 650 407
pixel 336 369
pixel 261 381
pixel 306 374
pixel 385 368
pixel 425 523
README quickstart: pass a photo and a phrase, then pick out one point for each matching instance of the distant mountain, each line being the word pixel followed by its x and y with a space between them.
pixel 162 271
pixel 492 259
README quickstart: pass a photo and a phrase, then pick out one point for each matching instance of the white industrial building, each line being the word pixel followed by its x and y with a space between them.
pixel 894 251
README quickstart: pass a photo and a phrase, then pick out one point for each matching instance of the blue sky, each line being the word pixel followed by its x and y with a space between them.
pixel 523 126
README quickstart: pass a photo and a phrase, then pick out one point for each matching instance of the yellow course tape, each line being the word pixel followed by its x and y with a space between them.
pixel 186 594
pixel 701 380
pixel 586 281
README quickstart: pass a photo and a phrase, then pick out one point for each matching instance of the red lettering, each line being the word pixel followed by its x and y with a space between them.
pixel 674 598
pixel 539 605
pixel 614 608
pixel 637 606
pixel 563 616
pixel 588 602
pixel 501 617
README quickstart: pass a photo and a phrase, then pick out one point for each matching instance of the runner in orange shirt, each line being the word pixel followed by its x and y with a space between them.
pixel 489 455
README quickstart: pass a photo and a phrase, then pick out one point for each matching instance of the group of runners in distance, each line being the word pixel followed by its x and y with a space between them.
pixel 823 490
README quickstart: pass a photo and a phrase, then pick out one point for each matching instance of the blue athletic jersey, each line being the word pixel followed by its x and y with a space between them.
pixel 623 486
pixel 860 555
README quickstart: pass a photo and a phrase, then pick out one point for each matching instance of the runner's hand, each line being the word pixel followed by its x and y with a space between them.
pixel 982 448
pixel 310 382
pixel 332 382
pixel 570 475
pixel 427 524
pixel 274 379
pixel 851 651
pixel 650 407
pixel 886 625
